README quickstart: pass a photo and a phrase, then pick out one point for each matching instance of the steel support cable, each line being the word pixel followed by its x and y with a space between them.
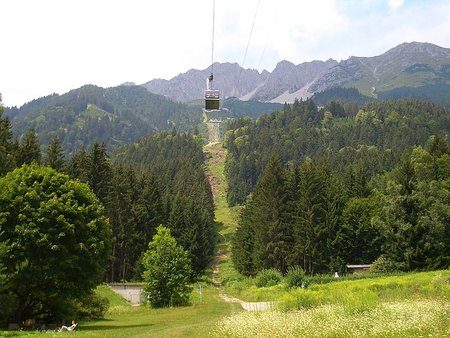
pixel 249 38
pixel 212 42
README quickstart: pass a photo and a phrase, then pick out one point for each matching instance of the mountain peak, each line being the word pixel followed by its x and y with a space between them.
pixel 418 47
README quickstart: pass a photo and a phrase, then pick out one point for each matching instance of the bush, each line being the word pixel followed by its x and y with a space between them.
pixel 93 306
pixel 299 299
pixel 295 277
pixel 268 277
pixel 384 264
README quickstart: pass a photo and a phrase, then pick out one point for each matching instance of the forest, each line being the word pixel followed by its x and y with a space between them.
pixel 368 140
pixel 323 189
pixel 158 180
pixel 319 189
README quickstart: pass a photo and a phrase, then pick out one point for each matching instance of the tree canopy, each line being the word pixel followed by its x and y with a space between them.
pixel 57 241
pixel 167 271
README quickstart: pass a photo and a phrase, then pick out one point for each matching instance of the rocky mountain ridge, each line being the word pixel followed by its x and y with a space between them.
pixel 408 65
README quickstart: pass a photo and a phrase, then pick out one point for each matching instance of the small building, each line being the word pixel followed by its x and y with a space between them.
pixel 358 268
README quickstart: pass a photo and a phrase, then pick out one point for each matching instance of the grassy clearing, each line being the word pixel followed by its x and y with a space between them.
pixel 415 318
pixel 387 288
pixel 124 320
pixel 415 304
pixel 224 214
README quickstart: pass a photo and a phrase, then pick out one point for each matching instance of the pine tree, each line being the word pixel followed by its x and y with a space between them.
pixel 79 166
pixel 29 150
pixel 307 249
pixel 7 161
pixel 331 210
pixel 55 154
pixel 273 241
pixel 414 217
pixel 100 172
pixel 152 202
pixel 244 242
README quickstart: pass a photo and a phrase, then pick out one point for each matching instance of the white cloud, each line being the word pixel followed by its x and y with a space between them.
pixel 395 4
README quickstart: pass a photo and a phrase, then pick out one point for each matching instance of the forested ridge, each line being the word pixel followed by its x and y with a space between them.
pixel 369 140
pixel 329 190
pixel 116 116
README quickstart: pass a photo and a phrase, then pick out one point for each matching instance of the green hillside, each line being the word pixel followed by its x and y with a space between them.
pixel 114 115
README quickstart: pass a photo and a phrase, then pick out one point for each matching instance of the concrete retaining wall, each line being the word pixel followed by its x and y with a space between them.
pixel 131 292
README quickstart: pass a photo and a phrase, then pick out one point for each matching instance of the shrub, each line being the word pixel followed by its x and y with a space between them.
pixel 93 306
pixel 299 299
pixel 295 277
pixel 268 277
pixel 359 302
pixel 384 264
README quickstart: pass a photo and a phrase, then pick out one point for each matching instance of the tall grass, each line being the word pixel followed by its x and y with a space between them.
pixel 417 318
pixel 360 295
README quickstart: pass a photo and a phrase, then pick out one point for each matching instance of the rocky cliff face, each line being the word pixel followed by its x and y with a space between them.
pixel 407 65
pixel 230 78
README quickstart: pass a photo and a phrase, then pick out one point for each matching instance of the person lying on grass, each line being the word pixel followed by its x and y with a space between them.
pixel 69 328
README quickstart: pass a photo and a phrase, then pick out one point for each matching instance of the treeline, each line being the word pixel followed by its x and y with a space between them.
pixel 439 92
pixel 176 161
pixel 159 180
pixel 116 116
pixel 342 95
pixel 355 141
pixel 307 215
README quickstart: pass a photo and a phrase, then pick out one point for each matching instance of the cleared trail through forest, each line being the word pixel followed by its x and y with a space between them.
pixel 227 216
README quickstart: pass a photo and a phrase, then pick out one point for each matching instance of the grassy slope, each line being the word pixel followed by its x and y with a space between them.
pixel 410 305
pixel 124 320
pixel 225 215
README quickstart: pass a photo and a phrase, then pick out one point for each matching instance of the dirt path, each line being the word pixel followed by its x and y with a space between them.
pixel 216 161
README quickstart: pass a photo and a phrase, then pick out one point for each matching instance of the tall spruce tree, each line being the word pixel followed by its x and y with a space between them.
pixel 307 249
pixel 100 172
pixel 55 154
pixel 79 166
pixel 414 218
pixel 272 235
pixel 29 150
pixel 7 161
pixel 244 242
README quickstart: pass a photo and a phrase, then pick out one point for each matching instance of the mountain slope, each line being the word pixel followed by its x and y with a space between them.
pixel 412 64
pixel 114 115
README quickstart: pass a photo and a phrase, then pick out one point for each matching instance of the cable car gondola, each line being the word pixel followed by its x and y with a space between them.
pixel 212 96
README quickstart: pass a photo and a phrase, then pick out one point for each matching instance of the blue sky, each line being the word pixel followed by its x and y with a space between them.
pixel 54 46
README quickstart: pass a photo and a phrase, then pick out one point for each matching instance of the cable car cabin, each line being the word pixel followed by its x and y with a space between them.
pixel 212 99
